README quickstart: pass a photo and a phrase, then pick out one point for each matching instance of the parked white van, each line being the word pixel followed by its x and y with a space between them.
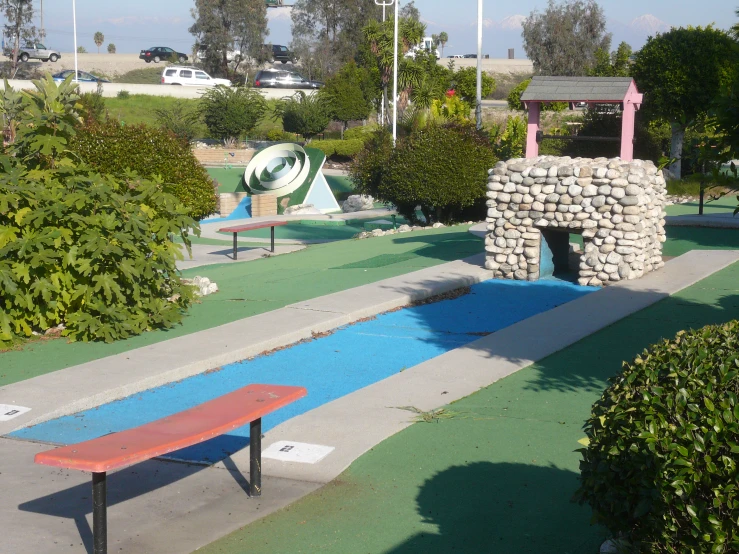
pixel 190 77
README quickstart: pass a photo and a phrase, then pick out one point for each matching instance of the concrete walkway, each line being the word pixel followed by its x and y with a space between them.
pixel 205 254
pixel 165 507
pixel 720 220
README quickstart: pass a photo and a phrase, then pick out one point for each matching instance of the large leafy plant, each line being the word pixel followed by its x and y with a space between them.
pixel 660 469
pixel 92 252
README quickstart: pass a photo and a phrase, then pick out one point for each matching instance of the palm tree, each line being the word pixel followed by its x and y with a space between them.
pixel 443 39
pixel 99 38
pixel 380 36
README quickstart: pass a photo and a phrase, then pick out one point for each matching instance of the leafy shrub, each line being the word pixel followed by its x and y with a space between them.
pixel 344 94
pixel 452 108
pixel 512 141
pixel 123 94
pixel 90 251
pixel 361 132
pixel 305 114
pixel 178 119
pixel 87 251
pixel 93 104
pixel 369 166
pixel 465 84
pixel 277 135
pixel 416 172
pixel 232 112
pixel 113 148
pixel 339 148
pixel 660 470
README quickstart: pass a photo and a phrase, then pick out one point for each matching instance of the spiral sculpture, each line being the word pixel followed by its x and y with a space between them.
pixel 280 170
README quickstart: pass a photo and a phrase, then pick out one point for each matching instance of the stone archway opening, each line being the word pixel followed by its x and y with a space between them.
pixel 535 203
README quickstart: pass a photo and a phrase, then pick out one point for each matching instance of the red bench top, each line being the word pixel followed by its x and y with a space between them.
pixel 193 426
pixel 252 226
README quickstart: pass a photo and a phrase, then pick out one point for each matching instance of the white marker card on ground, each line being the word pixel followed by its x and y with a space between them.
pixel 9 411
pixel 291 451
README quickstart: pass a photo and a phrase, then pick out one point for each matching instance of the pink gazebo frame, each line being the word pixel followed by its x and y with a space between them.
pixel 630 102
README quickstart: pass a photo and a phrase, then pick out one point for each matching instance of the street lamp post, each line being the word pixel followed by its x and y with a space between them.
pixel 395 75
pixel 382 104
pixel 74 27
pixel 478 106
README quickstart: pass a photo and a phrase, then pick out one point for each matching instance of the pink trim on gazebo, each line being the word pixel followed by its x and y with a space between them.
pixel 631 101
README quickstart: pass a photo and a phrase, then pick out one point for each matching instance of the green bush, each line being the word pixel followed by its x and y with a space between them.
pixel 93 104
pixel 512 141
pixel 660 470
pixel 362 132
pixel 465 84
pixel 178 119
pixel 305 114
pixel 339 148
pixel 123 94
pixel 92 252
pixel 442 168
pixel 113 149
pixel 232 112
pixel 277 135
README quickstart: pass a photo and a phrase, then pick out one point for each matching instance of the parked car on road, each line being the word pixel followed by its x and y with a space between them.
pixel 231 55
pixel 470 56
pixel 157 54
pixel 278 53
pixel 82 77
pixel 36 51
pixel 456 56
pixel 279 78
pixel 190 77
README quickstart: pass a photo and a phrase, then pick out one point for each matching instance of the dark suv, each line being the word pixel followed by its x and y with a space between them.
pixel 278 53
pixel 279 78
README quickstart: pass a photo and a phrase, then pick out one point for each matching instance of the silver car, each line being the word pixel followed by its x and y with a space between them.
pixel 38 51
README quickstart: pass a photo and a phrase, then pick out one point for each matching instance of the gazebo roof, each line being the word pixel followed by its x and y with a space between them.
pixel 577 89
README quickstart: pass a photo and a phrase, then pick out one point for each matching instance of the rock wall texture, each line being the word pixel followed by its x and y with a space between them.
pixel 616 205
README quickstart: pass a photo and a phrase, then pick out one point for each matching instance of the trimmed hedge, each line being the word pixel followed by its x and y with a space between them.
pixel 442 168
pixel 113 148
pixel 660 470
pixel 340 148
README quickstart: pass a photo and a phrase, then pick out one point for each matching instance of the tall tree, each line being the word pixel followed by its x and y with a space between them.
pixel 345 97
pixel 111 48
pixel 99 38
pixel 443 39
pixel 615 64
pixel 564 38
pixel 332 27
pixel 681 72
pixel 18 27
pixel 223 25
pixel 410 11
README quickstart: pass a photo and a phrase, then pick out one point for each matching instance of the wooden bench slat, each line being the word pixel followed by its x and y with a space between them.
pixel 193 426
pixel 252 226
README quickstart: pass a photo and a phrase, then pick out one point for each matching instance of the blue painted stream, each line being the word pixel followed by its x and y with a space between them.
pixel 352 357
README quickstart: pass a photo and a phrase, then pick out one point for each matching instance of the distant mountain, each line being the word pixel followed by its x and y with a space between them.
pixel 649 25
pixel 512 23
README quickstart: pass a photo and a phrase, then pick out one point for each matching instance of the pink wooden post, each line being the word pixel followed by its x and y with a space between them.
pixel 532 147
pixel 632 101
pixel 627 132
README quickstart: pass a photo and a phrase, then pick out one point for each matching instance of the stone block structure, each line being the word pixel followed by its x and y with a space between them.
pixel 617 206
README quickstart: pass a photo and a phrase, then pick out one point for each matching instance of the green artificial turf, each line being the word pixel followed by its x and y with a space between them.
pixel 259 286
pixel 497 477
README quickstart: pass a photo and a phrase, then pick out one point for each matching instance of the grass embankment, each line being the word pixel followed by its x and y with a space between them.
pixel 142 108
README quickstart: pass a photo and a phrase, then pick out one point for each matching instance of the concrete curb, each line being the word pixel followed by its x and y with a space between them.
pixel 723 221
pixel 108 379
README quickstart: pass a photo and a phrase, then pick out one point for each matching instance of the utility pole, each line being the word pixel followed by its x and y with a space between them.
pixel 42 32
pixel 478 107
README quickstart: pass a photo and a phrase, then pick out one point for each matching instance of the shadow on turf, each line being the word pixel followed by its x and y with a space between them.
pixel 502 509
pixel 75 502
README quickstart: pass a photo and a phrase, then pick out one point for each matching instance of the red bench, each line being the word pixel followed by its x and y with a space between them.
pixel 193 426
pixel 251 227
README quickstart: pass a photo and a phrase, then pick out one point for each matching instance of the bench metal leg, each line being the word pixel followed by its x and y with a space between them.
pixel 235 246
pixel 99 514
pixel 255 458
pixel 272 229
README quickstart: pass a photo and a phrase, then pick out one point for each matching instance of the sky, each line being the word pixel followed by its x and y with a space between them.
pixel 133 25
